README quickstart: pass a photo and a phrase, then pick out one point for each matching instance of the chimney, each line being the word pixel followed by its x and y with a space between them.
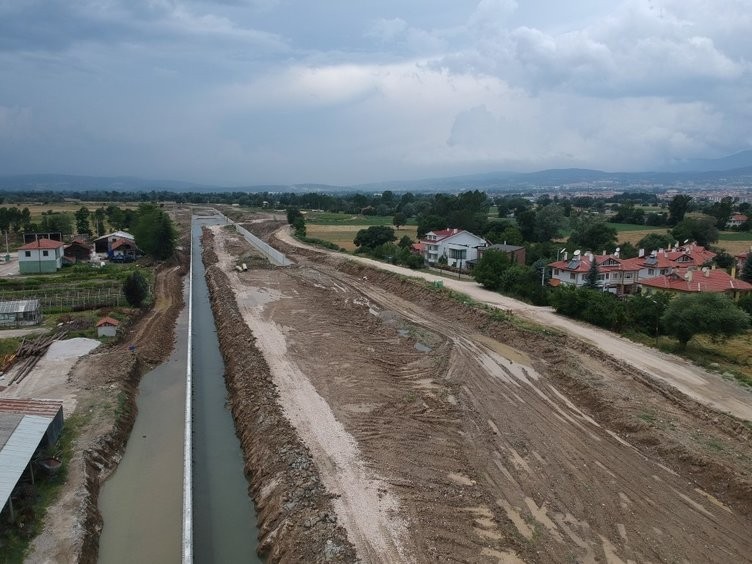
pixel 604 252
pixel 706 273
pixel 688 276
pixel 566 256
pixel 641 253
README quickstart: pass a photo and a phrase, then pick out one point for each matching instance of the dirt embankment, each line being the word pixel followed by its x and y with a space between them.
pixel 296 519
pixel 710 447
pixel 107 386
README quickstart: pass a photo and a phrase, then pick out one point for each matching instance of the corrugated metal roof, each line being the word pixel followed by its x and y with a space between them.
pixel 44 407
pixel 18 306
pixel 18 450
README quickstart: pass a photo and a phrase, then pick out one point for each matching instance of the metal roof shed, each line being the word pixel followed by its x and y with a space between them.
pixel 16 313
pixel 26 425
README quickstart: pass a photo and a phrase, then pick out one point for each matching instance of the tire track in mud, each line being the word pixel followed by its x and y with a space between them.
pixel 489 456
pixel 296 520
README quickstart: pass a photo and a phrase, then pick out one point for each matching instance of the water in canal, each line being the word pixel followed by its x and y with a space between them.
pixel 141 504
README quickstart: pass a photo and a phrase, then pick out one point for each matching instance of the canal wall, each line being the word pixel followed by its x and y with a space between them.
pixel 296 519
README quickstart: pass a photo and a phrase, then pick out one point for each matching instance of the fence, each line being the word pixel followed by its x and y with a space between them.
pixel 70 299
pixel 271 253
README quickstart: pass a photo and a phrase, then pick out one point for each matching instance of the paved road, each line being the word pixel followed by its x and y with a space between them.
pixel 706 387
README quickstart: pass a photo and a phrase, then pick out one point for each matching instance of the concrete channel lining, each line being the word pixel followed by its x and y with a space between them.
pixel 187 541
pixel 274 256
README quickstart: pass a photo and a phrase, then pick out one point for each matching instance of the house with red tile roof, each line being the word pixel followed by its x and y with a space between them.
pixel 107 327
pixel 706 280
pixel 456 245
pixel 663 261
pixel 40 256
pixel 736 220
pixel 615 275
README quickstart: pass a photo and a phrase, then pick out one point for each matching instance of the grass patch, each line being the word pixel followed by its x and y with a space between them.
pixel 332 218
pixel 735 236
pixel 620 227
pixel 647 417
pixel 343 235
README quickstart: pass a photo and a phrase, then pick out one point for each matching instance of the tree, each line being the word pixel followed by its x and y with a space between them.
pixel 135 288
pixel 654 241
pixel 154 232
pixel 678 208
pixel 594 235
pixel 746 273
pixel 591 278
pixel 710 314
pixel 722 211
pixel 374 236
pixel 405 242
pixel 490 269
pixel 99 215
pixel 701 229
pixel 550 222
pixel 299 226
pixel 292 214
pixel 82 221
pixel 399 219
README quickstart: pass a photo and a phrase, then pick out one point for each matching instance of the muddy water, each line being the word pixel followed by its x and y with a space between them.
pixel 141 504
pixel 224 520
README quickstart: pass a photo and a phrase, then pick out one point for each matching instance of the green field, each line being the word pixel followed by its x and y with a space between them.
pixel 633 227
pixel 735 236
pixel 343 235
pixel 330 218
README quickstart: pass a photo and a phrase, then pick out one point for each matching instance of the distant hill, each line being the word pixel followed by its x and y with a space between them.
pixel 743 159
pixel 71 182
pixel 718 172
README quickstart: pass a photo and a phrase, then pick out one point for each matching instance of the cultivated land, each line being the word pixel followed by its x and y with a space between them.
pixel 445 432
pixel 343 235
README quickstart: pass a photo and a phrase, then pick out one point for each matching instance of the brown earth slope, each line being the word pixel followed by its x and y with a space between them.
pixel 446 433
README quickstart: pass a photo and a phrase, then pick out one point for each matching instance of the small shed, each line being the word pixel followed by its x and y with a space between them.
pixel 107 327
pixel 78 251
pixel 18 313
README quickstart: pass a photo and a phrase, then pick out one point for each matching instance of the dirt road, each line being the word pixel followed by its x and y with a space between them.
pixel 694 381
pixel 445 434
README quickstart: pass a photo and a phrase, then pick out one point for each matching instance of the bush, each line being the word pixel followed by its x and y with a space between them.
pixel 136 289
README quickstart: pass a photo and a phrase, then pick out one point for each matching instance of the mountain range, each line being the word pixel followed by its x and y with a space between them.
pixel 731 170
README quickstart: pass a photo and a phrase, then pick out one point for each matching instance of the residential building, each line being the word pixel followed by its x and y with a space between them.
pixel 695 281
pixel 123 250
pixel 515 253
pixel 78 251
pixel 664 261
pixel 103 244
pixel 457 246
pixel 615 275
pixel 40 256
pixel 736 220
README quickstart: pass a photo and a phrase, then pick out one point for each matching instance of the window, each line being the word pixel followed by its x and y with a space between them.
pixel 556 271
pixel 628 275
pixel 651 271
pixel 45 253
pixel 572 276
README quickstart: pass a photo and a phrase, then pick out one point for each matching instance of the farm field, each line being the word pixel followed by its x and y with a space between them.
pixel 37 209
pixel 343 235
pixel 357 220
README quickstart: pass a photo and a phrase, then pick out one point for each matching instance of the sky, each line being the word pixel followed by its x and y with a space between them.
pixel 247 92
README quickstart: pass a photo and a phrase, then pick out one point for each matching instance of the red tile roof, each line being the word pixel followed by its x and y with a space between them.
pixel 108 321
pixel 583 265
pixel 41 244
pixel 43 407
pixel 117 243
pixel 714 281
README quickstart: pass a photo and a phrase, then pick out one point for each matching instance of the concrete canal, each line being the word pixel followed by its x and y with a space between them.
pixel 142 503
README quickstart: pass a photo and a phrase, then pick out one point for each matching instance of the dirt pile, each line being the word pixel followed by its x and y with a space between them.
pixel 297 522
pixel 563 452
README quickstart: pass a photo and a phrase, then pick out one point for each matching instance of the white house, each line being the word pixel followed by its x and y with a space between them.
pixel 456 245
pixel 40 256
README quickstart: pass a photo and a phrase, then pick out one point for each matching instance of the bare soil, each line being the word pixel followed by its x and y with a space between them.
pixel 444 432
